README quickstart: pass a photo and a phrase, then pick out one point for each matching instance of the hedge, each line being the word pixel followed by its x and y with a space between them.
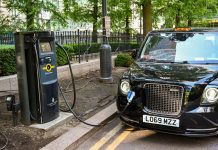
pixel 61 57
pixel 8 59
pixel 123 60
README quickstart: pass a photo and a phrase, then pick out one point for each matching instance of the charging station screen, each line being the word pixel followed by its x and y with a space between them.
pixel 45 47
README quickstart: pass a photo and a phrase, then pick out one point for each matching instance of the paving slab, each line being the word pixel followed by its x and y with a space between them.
pixel 72 138
pixel 63 117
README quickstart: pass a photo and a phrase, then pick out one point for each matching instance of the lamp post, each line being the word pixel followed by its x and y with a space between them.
pixel 104 14
pixel 105 50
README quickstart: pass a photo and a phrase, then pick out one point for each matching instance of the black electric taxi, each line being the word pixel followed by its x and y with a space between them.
pixel 172 86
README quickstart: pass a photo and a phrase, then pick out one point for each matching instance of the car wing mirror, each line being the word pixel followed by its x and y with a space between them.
pixel 134 53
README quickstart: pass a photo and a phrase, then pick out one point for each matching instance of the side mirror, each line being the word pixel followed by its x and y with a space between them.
pixel 134 53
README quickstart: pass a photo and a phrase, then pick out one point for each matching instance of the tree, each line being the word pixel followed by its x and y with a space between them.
pixel 31 10
pixel 5 24
pixel 89 11
pixel 147 16
pixel 121 14
pixel 199 10
pixel 10 24
pixel 178 13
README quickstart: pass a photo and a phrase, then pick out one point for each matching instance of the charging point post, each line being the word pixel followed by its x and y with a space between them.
pixel 37 76
pixel 105 49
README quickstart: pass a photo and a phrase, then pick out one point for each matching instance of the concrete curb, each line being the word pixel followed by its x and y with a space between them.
pixel 74 137
pixel 10 82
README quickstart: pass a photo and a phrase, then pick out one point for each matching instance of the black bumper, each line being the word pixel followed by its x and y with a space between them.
pixel 191 124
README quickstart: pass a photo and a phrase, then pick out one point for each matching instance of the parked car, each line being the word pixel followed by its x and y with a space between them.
pixel 172 86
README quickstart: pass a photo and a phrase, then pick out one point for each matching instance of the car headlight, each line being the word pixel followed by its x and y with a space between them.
pixel 124 86
pixel 211 95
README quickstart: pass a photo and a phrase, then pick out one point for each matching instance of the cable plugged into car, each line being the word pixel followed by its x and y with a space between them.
pixel 130 96
pixel 125 89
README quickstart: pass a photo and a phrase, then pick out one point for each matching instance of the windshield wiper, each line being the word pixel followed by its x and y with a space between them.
pixel 181 62
pixel 172 62
pixel 163 61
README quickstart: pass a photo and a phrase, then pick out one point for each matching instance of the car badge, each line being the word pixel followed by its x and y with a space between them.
pixel 166 78
pixel 165 67
pixel 174 90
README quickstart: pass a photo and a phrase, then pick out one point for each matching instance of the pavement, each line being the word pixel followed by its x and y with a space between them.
pixel 63 117
pixel 75 135
pixel 78 134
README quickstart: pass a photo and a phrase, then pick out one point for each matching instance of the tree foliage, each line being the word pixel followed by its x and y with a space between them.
pixel 184 12
pixel 31 10
pixel 8 24
pixel 120 12
pixel 88 11
pixel 169 13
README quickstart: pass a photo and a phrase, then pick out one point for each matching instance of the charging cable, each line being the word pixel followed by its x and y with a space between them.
pixel 6 141
pixel 72 77
pixel 130 96
pixel 74 114
pixel 70 108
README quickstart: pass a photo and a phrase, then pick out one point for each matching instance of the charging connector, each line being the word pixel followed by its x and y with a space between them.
pixel 14 107
pixel 130 96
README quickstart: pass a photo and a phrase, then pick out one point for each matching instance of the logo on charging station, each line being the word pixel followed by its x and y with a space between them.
pixel 48 67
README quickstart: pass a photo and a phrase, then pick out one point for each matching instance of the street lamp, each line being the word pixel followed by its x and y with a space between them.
pixel 105 49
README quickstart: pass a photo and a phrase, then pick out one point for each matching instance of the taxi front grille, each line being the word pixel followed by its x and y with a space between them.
pixel 163 98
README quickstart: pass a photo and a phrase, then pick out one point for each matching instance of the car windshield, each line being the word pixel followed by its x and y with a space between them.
pixel 181 47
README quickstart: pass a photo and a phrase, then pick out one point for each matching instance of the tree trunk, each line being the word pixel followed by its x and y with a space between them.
pixel 189 22
pixel 147 17
pixel 177 20
pixel 95 21
pixel 30 16
pixel 140 18
pixel 127 28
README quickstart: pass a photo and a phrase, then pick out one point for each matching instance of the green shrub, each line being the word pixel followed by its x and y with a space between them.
pixel 61 57
pixel 95 47
pixel 83 47
pixel 134 46
pixel 7 60
pixel 115 46
pixel 123 60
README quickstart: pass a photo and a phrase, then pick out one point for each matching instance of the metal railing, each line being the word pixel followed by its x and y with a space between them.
pixel 119 41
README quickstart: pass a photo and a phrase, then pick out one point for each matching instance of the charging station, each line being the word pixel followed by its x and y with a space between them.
pixel 37 76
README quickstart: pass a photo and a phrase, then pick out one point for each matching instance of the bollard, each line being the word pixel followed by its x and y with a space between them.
pixel 105 63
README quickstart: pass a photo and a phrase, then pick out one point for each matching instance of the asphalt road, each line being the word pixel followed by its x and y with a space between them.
pixel 115 135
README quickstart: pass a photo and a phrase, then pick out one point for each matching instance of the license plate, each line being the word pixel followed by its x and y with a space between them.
pixel 161 120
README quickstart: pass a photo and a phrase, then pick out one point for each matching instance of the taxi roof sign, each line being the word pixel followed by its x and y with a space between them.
pixel 183 29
